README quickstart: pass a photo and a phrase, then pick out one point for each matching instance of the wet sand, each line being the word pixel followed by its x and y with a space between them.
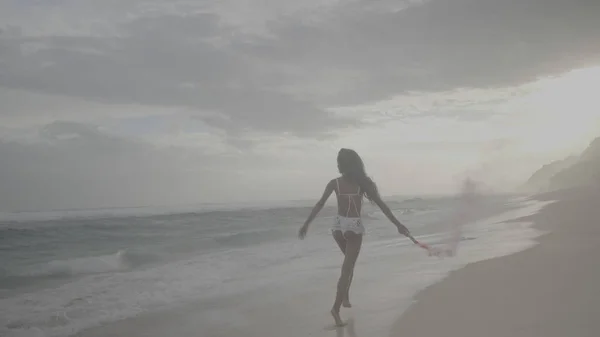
pixel 550 290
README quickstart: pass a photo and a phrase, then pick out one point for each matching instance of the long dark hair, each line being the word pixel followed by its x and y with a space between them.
pixel 352 168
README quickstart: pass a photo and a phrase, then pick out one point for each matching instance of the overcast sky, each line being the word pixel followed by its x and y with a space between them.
pixel 129 102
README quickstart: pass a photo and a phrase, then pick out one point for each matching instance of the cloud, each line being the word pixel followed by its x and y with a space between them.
pixel 438 46
pixel 460 104
pixel 165 62
pixel 74 165
pixel 306 58
pixel 138 102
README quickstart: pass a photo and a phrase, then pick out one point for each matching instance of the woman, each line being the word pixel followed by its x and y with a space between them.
pixel 348 228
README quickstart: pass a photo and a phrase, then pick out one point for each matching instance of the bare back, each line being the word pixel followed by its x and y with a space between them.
pixel 349 198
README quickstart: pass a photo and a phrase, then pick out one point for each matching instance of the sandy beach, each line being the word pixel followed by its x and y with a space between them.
pixel 548 290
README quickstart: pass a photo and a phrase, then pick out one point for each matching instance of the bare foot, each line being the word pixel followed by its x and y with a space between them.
pixel 337 318
pixel 346 304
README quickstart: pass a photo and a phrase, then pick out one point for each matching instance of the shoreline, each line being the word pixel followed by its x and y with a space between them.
pixel 545 290
pixel 150 323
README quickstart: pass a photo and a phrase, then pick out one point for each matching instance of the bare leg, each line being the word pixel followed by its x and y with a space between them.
pixel 346 301
pixel 341 241
pixel 353 243
pixel 337 318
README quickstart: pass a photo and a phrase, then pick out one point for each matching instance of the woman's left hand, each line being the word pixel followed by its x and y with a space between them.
pixel 403 230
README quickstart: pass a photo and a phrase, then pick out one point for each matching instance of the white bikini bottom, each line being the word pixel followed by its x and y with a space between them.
pixel 344 224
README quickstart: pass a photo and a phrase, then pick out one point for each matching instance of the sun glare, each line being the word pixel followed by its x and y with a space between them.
pixel 558 114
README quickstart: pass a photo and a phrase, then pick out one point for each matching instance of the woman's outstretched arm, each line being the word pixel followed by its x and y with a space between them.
pixel 388 213
pixel 317 208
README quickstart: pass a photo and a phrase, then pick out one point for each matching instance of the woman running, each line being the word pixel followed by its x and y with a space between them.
pixel 348 228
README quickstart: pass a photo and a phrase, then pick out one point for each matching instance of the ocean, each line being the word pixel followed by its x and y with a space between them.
pixel 65 272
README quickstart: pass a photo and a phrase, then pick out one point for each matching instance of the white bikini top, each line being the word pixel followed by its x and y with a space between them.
pixel 350 197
